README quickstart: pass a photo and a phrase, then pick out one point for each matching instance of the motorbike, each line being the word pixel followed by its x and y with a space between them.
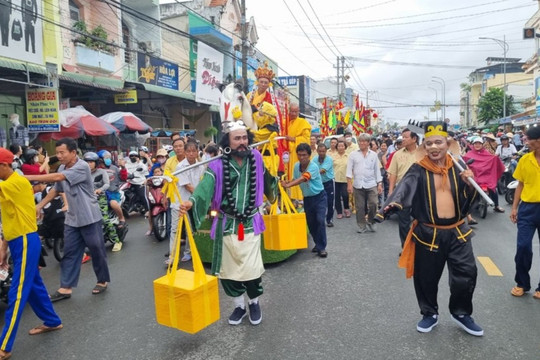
pixel 482 203
pixel 130 203
pixel 506 178
pixel 158 211
pixel 511 191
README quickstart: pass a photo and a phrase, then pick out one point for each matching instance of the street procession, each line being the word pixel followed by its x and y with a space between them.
pixel 234 179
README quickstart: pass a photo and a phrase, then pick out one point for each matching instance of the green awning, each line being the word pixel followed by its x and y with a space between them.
pixel 17 65
pixel 106 83
pixel 170 92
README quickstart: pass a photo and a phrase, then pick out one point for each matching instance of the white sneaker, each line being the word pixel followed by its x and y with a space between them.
pixel 185 258
pixel 117 246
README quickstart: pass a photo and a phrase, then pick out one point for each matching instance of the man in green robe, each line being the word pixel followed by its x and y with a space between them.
pixel 234 187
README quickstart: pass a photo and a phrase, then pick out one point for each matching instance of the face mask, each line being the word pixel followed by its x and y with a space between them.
pixel 161 160
pixel 107 162
pixel 348 139
pixel 133 159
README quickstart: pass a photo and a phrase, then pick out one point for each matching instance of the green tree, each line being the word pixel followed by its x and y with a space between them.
pixel 490 105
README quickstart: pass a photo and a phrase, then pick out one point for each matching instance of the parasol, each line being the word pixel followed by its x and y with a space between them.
pixel 126 122
pixel 77 122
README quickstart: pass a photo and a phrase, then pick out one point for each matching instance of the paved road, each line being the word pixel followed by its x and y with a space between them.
pixel 356 304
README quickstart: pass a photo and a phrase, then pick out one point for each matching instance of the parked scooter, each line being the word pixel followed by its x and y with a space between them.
pixel 511 191
pixel 506 178
pixel 158 211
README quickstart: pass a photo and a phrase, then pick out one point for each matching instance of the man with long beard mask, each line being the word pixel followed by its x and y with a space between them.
pixel 234 186
pixel 439 197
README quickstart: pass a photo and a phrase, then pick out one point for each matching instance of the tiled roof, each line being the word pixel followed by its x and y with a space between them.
pixel 215 3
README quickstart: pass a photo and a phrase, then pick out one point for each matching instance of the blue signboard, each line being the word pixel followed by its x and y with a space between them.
pixel 287 81
pixel 151 70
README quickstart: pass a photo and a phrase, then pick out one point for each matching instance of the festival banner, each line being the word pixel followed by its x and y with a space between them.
pixel 154 71
pixel 21 30
pixel 42 110
pixel 209 74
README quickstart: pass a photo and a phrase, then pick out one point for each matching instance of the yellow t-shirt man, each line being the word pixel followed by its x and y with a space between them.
pixel 18 207
pixel 528 172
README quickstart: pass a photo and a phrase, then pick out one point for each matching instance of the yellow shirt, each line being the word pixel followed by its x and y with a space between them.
pixel 340 167
pixel 528 172
pixel 352 147
pixel 17 206
pixel 171 163
pixel 401 162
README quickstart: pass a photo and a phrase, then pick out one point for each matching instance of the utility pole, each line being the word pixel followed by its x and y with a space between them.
pixel 341 77
pixel 338 93
pixel 244 43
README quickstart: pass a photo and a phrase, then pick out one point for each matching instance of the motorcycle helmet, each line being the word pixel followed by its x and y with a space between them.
pixel 103 153
pixel 143 148
pixel 504 137
pixel 90 156
pixel 133 153
pixel 169 148
pixel 29 155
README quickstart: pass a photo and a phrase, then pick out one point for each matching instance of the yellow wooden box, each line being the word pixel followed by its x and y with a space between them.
pixel 190 304
pixel 285 231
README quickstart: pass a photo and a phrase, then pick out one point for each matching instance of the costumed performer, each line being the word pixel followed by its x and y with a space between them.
pixel 440 198
pixel 298 132
pixel 234 186
pixel 265 119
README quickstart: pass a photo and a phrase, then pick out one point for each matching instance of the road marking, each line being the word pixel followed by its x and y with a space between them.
pixel 489 266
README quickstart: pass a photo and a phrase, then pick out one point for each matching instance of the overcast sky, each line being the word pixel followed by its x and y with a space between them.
pixel 427 32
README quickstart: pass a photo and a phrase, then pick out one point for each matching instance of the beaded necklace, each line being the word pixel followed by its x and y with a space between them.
pixel 228 187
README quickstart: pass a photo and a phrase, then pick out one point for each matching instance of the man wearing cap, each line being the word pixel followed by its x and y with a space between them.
pixel 439 197
pixel 83 223
pixel 399 164
pixel 234 186
pixel 526 212
pixel 20 235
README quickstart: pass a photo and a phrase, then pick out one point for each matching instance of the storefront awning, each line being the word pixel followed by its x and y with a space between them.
pixel 17 65
pixel 210 35
pixel 170 92
pixel 100 82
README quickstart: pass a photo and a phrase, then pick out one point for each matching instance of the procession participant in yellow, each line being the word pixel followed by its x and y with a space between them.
pixel 299 132
pixel 260 93
pixel 265 118
pixel 20 235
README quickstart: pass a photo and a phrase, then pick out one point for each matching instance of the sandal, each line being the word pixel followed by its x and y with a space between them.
pixel 499 209
pixel 57 296
pixel 473 222
pixel 5 356
pixel 339 216
pixel 41 329
pixel 98 289
pixel 347 214
pixel 121 224
pixel 518 291
pixel 536 294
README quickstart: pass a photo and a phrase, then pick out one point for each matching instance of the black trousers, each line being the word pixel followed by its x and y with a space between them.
pixel 341 194
pixel 462 272
pixel 329 188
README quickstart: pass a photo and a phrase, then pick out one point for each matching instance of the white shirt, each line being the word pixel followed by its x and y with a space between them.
pixel 192 177
pixel 505 152
pixel 364 170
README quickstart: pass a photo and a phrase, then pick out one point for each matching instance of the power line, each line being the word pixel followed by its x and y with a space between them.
pixel 316 30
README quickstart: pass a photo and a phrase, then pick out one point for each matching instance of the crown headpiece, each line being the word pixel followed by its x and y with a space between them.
pixel 228 126
pixel 265 72
pixel 433 128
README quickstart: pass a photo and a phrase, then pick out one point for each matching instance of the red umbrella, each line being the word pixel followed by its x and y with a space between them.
pixel 76 122
pixel 126 122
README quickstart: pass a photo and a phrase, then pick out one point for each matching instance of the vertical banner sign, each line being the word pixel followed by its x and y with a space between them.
pixel 537 88
pixel 209 74
pixel 42 110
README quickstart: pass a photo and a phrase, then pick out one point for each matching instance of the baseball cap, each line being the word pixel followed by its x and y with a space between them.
pixel 6 156
pixel 162 152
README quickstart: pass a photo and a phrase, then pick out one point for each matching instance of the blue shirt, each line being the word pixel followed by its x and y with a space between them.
pixel 314 185
pixel 328 167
